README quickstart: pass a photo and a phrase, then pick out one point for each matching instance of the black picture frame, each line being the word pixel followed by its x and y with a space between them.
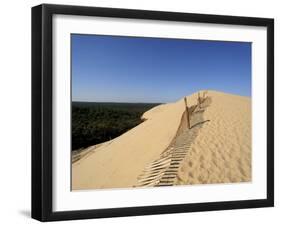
pixel 42 111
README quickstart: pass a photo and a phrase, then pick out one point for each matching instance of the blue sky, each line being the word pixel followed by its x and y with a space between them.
pixel 131 69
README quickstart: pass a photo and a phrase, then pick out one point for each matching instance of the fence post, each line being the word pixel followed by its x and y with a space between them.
pixel 199 101
pixel 187 113
pixel 204 96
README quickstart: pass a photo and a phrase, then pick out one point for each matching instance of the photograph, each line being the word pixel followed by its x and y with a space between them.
pixel 141 112
pixel 152 112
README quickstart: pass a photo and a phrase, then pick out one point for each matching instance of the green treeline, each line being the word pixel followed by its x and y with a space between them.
pixel 94 123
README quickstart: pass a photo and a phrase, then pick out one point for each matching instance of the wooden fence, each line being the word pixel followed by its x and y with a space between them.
pixel 189 111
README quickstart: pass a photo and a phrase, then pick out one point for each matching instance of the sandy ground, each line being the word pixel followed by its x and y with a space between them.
pixel 220 152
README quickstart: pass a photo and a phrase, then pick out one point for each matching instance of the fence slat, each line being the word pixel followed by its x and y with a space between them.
pixel 187 114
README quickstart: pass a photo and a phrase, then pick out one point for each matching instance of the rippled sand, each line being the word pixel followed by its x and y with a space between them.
pixel 221 153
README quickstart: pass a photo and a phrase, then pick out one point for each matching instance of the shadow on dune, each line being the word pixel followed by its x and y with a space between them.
pixel 199 123
pixel 163 171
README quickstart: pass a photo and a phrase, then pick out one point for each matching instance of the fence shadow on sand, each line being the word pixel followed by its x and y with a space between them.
pixel 163 170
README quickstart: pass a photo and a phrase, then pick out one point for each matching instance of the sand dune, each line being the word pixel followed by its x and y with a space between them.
pixel 221 153
pixel 216 149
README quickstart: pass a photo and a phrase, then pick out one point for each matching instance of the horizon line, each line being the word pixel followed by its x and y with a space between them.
pixel 89 101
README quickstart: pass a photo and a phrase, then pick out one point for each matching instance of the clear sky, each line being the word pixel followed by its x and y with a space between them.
pixel 132 69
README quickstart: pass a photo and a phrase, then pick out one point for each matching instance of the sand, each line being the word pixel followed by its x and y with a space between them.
pixel 219 153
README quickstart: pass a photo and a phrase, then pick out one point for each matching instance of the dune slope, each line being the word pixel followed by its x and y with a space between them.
pixel 220 151
pixel 119 163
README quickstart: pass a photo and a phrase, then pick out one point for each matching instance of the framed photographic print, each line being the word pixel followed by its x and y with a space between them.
pixel 145 112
